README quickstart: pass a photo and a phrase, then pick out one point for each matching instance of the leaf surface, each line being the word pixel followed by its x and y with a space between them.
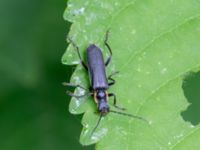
pixel 155 43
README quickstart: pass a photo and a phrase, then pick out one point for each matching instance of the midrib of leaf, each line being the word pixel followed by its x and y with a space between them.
pixel 185 137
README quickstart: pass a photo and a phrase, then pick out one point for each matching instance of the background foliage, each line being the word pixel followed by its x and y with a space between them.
pixel 33 104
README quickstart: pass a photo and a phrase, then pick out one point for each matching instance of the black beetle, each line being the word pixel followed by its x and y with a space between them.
pixel 98 80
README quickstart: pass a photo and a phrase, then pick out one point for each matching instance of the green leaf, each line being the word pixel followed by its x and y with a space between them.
pixel 155 43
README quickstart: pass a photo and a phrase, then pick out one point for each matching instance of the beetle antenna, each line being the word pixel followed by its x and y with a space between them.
pixel 101 115
pixel 129 115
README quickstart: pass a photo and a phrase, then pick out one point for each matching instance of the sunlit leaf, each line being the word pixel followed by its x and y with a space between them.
pixel 155 43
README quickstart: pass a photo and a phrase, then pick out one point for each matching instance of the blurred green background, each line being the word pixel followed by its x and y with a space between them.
pixel 33 104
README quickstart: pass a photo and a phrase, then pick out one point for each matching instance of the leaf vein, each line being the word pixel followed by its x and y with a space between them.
pixel 184 137
pixel 170 30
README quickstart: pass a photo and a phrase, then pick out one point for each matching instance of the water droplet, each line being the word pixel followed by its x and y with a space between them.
pixel 81 91
pixel 73 111
pixel 158 98
pixel 144 54
pixel 77 102
pixel 150 122
pixel 94 137
pixel 178 136
pixel 147 72
pixel 69 55
pixel 76 80
pixel 86 126
pixel 138 69
pixel 192 126
pixel 170 56
pixel 116 4
pixel 163 71
pixel 79 11
pixel 69 5
pixel 75 62
pixel 133 31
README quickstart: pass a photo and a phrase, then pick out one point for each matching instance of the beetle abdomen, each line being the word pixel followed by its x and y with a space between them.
pixel 96 68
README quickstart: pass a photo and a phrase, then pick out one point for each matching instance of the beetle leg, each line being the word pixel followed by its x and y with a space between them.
pixel 108 61
pixel 115 101
pixel 75 86
pixel 108 47
pixel 111 79
pixel 79 55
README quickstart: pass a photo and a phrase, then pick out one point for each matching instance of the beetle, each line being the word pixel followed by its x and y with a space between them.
pixel 96 68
